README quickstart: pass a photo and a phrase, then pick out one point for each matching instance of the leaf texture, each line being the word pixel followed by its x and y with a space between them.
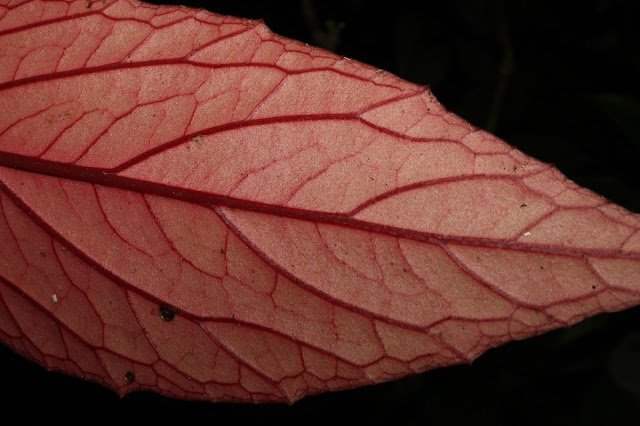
pixel 196 206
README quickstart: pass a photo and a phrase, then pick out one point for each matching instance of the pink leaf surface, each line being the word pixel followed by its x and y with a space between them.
pixel 196 206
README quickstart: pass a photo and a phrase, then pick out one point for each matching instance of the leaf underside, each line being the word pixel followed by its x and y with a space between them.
pixel 193 205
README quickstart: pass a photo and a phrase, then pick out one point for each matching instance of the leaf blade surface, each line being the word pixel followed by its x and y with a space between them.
pixel 407 239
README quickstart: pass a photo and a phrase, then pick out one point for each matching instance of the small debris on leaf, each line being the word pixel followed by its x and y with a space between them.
pixel 167 312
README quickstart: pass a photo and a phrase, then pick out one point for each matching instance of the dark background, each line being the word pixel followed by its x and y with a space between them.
pixel 559 80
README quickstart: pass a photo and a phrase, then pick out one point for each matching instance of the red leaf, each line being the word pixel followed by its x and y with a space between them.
pixel 193 205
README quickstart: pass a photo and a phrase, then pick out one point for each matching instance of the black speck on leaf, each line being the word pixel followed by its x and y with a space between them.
pixel 167 312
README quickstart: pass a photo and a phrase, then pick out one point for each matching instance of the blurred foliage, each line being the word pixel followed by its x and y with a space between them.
pixel 569 73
